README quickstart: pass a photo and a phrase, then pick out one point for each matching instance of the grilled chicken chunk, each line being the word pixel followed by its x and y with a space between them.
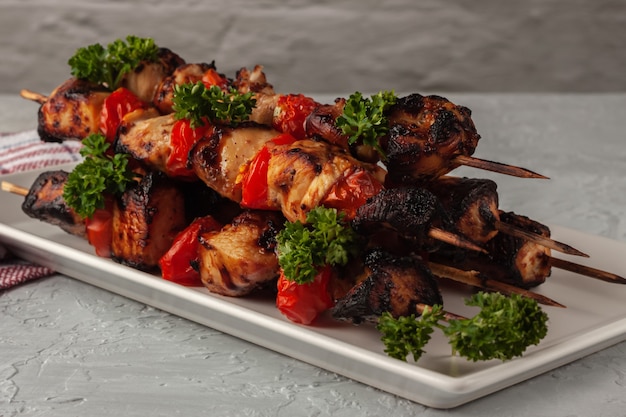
pixel 144 79
pixel 146 219
pixel 45 202
pixel 426 134
pixel 470 203
pixel 145 135
pixel 394 284
pixel 72 111
pixel 300 175
pixel 217 160
pixel 510 259
pixel 240 258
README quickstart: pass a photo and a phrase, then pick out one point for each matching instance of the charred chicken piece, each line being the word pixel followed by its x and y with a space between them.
pixel 512 260
pixel 471 205
pixel 217 159
pixel 146 219
pixel 72 111
pixel 144 79
pixel 426 134
pixel 393 284
pixel 146 136
pixel 409 212
pixel 45 202
pixel 240 257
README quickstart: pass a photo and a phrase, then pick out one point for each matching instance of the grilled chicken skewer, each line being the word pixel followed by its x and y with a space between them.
pixel 516 261
pixel 472 205
pixel 145 218
pixel 428 137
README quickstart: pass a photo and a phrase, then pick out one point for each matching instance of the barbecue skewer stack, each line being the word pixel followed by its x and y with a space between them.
pixel 418 222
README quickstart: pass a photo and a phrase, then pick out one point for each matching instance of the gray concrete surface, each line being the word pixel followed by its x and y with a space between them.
pixel 339 46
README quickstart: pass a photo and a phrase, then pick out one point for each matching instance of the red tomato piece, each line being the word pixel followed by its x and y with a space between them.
pixel 177 263
pixel 182 139
pixel 118 104
pixel 291 112
pixel 100 229
pixel 302 303
pixel 351 192
pixel 254 183
pixel 211 77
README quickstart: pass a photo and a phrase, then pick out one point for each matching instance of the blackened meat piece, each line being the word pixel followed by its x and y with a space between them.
pixel 45 202
pixel 394 284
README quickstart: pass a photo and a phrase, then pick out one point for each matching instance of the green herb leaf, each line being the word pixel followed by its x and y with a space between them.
pixel 364 119
pixel 503 329
pixel 107 66
pixel 196 103
pixel 97 175
pixel 323 240
pixel 408 335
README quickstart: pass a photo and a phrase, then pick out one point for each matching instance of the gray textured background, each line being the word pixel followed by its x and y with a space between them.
pixel 339 46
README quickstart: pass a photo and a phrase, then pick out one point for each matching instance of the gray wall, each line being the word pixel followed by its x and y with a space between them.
pixel 339 46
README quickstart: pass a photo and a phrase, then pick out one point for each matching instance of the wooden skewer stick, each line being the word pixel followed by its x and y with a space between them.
pixel 474 279
pixel 587 271
pixel 33 96
pixel 497 167
pixel 539 239
pixel 453 239
pixel 15 189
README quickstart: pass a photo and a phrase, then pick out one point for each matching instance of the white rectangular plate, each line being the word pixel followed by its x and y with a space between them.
pixel 595 316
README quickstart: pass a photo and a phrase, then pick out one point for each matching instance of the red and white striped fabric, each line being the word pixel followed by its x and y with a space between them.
pixel 21 152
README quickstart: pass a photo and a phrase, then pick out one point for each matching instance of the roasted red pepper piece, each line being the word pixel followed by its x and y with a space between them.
pixel 119 103
pixel 351 192
pixel 100 229
pixel 254 183
pixel 182 139
pixel 302 303
pixel 177 263
pixel 291 112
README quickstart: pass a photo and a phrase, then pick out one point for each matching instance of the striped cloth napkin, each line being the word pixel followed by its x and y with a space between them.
pixel 21 152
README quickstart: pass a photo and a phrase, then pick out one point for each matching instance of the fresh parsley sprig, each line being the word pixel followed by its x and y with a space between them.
pixel 364 118
pixel 195 103
pixel 108 65
pixel 503 329
pixel 97 175
pixel 324 240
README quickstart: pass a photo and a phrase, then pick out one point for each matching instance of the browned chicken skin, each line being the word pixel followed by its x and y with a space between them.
pixel 301 174
pixel 471 205
pixel 394 284
pixel 72 111
pixel 240 258
pixel 426 134
pixel 510 259
pixel 145 78
pixel 45 202
pixel 217 159
pixel 146 219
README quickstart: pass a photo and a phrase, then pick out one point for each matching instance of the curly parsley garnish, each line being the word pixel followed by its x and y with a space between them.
pixel 195 103
pixel 98 174
pixel 323 240
pixel 503 329
pixel 107 66
pixel 364 118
